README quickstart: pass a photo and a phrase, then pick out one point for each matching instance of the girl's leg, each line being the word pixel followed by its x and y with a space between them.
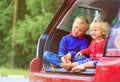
pixel 68 66
pixel 83 66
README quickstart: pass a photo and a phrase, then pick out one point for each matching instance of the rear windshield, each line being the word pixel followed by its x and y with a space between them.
pixel 80 11
pixel 113 44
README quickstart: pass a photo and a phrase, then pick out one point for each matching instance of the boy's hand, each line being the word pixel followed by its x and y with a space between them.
pixel 63 59
pixel 79 53
pixel 66 58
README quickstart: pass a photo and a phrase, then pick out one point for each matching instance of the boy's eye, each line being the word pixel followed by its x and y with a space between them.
pixel 80 30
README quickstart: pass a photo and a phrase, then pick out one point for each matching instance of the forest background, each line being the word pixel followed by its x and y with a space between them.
pixel 22 23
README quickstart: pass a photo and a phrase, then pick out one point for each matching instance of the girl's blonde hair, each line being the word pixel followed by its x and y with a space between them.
pixel 83 21
pixel 103 26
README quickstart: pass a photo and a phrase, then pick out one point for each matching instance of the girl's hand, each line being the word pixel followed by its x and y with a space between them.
pixel 79 53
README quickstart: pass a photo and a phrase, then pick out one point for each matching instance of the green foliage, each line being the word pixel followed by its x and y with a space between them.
pixel 26 36
pixel 37 7
pixel 31 22
pixel 6 16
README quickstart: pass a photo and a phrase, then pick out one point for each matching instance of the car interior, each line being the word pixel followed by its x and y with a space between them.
pixel 63 28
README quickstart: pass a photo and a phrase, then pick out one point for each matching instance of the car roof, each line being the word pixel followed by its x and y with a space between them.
pixel 108 7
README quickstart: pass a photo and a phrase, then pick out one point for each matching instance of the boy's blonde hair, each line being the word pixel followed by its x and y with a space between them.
pixel 83 21
pixel 103 26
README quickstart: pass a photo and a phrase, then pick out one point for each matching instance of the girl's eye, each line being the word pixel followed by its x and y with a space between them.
pixel 94 30
pixel 76 27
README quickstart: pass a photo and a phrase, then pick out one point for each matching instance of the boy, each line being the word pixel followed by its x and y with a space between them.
pixel 69 44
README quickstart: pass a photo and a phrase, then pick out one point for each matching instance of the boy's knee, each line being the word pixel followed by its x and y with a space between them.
pixel 45 55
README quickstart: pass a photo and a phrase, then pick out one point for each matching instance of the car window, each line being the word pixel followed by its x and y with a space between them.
pixel 73 13
pixel 80 11
pixel 113 43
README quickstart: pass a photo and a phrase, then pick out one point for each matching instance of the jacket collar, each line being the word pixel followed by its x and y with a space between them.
pixel 79 37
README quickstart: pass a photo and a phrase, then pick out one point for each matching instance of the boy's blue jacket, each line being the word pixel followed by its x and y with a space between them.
pixel 71 44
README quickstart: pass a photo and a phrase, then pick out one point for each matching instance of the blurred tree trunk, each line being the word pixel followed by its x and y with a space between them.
pixel 13 33
pixel 42 5
pixel 22 10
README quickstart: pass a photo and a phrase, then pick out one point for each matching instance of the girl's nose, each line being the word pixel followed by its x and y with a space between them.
pixel 77 30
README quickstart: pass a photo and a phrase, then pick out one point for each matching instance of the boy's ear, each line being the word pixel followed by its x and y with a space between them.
pixel 84 33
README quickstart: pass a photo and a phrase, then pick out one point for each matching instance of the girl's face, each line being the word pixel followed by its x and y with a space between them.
pixel 78 29
pixel 96 33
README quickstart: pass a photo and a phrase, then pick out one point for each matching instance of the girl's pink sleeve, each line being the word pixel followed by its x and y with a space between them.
pixel 87 50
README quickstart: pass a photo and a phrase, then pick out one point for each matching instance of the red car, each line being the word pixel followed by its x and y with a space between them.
pixel 107 70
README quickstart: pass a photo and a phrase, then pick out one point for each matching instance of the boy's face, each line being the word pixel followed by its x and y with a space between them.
pixel 78 29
